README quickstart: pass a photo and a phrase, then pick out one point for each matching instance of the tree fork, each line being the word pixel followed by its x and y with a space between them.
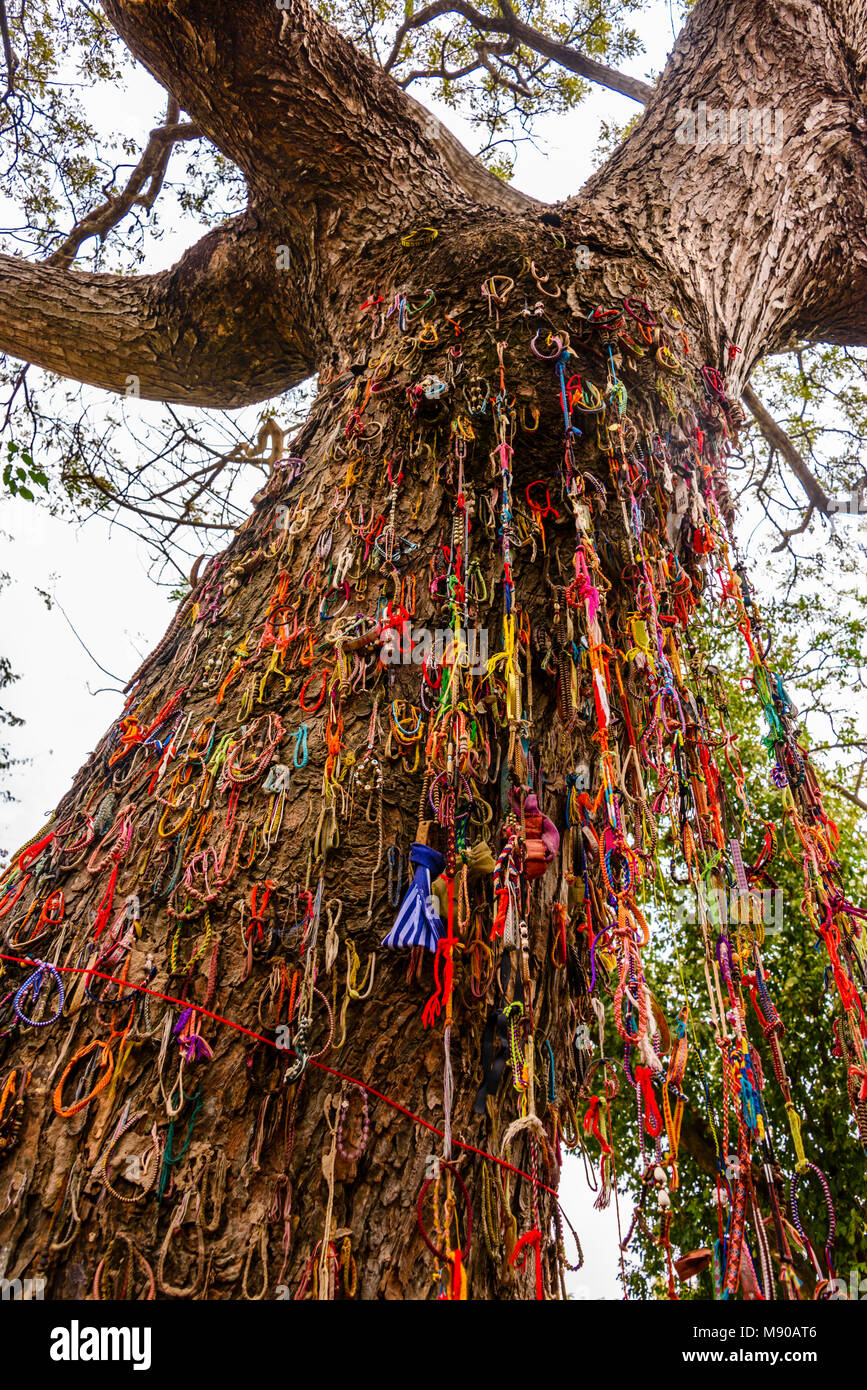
pixel 287 1186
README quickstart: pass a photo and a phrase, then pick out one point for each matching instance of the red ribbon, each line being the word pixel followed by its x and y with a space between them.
pixel 533 1238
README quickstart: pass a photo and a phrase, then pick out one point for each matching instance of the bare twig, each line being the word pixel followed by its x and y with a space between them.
pixel 82 643
pixel 514 28
pixel 112 495
pixel 778 439
pixel 141 189
pixel 795 531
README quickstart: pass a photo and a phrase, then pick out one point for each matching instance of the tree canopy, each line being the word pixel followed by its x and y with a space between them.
pixel 286 216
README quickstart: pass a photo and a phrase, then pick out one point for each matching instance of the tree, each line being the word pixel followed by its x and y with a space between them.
pixel 548 445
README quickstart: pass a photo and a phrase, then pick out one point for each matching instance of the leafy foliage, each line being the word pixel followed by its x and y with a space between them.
pixel 500 86
pixel 60 156
pixel 801 991
pixel 19 471
pixel 816 603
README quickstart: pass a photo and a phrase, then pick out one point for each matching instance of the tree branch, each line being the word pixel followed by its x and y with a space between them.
pixel 742 232
pixel 788 535
pixel 223 327
pixel 112 495
pixel 288 100
pixel 8 53
pixel 760 213
pixel 849 796
pixel 514 28
pixel 779 440
pixel 150 170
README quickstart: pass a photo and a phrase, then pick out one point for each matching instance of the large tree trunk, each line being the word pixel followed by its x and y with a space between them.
pixel 247 324
pixel 386 1044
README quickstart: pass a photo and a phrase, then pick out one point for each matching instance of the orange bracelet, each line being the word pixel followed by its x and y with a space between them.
pixel 107 1064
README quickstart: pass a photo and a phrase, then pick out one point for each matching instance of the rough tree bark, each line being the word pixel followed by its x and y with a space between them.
pixel 753 246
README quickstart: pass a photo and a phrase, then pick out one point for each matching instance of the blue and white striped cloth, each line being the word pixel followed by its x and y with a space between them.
pixel 418 922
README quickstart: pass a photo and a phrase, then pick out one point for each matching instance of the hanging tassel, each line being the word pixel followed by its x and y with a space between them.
pixel 459 1291
pixel 506 883
pixel 444 955
pixel 531 1239
pixel 192 1044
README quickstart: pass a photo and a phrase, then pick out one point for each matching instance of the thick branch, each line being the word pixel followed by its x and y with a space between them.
pixel 779 440
pixel 747 176
pixel 338 159
pixel 292 103
pixel 8 53
pixel 215 329
pixel 849 796
pixel 514 28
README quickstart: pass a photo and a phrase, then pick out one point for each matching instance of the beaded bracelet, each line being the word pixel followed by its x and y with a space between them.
pixel 133 1255
pixel 352 1155
pixel 152 1177
pixel 800 1172
pixel 33 984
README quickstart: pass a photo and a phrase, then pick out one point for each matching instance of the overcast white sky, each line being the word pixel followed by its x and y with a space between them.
pixel 100 577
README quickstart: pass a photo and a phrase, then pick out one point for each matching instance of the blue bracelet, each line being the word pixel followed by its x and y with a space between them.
pixel 301 746
pixel 34 983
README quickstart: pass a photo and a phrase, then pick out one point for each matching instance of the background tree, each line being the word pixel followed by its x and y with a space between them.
pixel 801 994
